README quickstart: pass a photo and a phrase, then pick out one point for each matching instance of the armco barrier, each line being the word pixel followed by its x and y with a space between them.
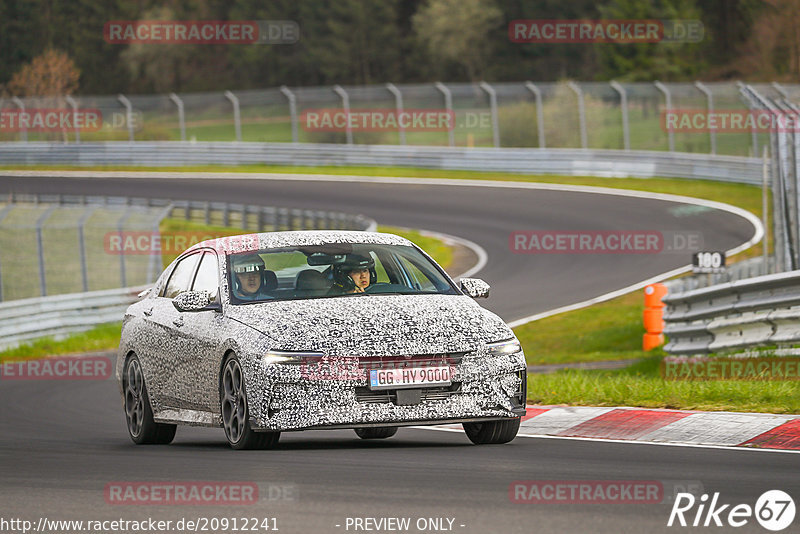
pixel 569 162
pixel 734 316
pixel 29 319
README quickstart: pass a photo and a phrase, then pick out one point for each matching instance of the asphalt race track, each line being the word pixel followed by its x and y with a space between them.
pixel 62 442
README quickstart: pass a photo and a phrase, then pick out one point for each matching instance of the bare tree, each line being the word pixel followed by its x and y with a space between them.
pixel 52 74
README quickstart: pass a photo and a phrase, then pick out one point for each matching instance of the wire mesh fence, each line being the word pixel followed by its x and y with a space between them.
pixel 56 244
pixel 595 115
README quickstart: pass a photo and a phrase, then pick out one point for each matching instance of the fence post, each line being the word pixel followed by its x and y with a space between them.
pixel 753 133
pixel 712 133
pixel 3 212
pixel 623 103
pixel 668 101
pixel 398 103
pixel 120 225
pixel 155 259
pixel 237 117
pixel 581 113
pixel 539 113
pixel 346 106
pixel 493 106
pixel 448 104
pixel 781 90
pixel 181 118
pixel 292 110
pixel 128 114
pixel 74 106
pixel 82 246
pixel 23 131
pixel 40 247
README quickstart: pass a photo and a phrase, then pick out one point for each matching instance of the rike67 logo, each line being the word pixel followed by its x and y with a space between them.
pixel 774 510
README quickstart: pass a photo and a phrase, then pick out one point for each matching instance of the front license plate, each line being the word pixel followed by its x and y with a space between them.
pixel 409 378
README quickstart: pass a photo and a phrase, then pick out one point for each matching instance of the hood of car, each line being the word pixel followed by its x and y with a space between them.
pixel 375 325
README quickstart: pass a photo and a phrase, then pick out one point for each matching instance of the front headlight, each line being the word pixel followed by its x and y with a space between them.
pixel 500 348
pixel 290 357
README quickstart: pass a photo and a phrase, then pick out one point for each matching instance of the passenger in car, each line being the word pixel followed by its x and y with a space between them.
pixel 354 275
pixel 251 279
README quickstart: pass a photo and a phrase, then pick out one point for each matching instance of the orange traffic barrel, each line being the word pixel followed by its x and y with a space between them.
pixel 653 316
pixel 651 341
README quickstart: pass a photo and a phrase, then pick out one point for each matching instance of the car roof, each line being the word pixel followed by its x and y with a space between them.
pixel 266 240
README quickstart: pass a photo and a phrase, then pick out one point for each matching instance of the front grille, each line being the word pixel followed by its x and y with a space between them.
pixel 402 362
pixel 366 395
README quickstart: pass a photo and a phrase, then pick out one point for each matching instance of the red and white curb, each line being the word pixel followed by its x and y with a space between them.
pixel 668 427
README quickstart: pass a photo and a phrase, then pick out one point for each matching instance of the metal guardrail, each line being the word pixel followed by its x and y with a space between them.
pixel 569 162
pixel 57 316
pixel 734 316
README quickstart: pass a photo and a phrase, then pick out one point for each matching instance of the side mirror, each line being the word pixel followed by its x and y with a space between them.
pixel 475 288
pixel 190 301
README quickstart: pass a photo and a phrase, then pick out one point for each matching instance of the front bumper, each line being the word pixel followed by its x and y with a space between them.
pixel 483 388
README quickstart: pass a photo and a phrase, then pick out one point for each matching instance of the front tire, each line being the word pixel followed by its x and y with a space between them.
pixel 142 429
pixel 236 414
pixel 376 433
pixel 492 432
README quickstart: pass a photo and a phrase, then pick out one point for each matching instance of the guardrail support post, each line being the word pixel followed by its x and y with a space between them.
pixel 539 113
pixel 346 106
pixel 398 104
pixel 128 114
pixel 493 106
pixel 82 246
pixel 40 247
pixel 23 132
pixel 623 104
pixel 292 110
pixel 74 105
pixel 181 118
pixel 237 117
pixel 712 133
pixel 448 105
pixel 668 101
pixel 581 113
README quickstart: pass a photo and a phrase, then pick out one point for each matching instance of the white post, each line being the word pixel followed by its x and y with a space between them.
pixel 623 102
pixel 539 113
pixel 74 106
pixel 493 106
pixel 181 118
pixel 292 110
pixel 128 114
pixel 23 132
pixel 237 118
pixel 581 113
pixel 398 104
pixel 668 99
pixel 712 133
pixel 346 106
pixel 448 104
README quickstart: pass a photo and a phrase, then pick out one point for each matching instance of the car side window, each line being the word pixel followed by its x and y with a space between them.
pixel 207 278
pixel 181 276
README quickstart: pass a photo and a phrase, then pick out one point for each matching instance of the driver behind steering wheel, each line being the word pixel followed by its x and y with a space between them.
pixel 249 274
pixel 354 275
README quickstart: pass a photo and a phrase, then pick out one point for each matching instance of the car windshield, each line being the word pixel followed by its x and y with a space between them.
pixel 333 271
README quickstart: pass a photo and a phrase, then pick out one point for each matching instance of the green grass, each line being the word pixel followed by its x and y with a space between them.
pixel 102 337
pixel 607 331
pixel 641 385
pixel 441 252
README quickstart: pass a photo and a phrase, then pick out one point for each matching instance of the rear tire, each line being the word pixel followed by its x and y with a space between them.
pixel 236 414
pixel 492 432
pixel 376 433
pixel 142 429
